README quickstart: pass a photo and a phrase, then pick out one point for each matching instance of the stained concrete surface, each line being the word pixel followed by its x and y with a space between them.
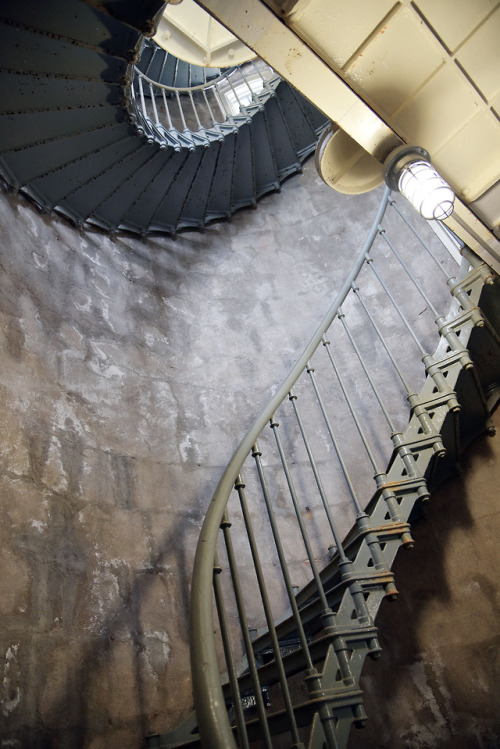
pixel 130 370
pixel 437 684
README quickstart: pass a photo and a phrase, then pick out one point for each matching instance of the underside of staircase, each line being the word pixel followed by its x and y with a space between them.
pixel 74 141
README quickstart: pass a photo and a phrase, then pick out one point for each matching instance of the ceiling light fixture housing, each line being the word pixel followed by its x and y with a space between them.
pixel 409 170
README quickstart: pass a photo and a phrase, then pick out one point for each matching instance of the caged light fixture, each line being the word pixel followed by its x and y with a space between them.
pixel 409 170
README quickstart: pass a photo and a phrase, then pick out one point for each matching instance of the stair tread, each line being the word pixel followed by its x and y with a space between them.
pixel 28 128
pixel 132 12
pixel 266 175
pixel 193 212
pixel 87 198
pixel 316 119
pixel 169 210
pixel 49 56
pixel 157 64
pixel 59 186
pixel 27 93
pixel 116 206
pixel 243 185
pixel 219 200
pixel 285 155
pixel 77 21
pixel 140 215
pixel 182 74
pixel 302 134
pixel 32 163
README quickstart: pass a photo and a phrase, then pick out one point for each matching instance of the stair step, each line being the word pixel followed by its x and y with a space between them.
pixel 266 175
pixel 182 74
pixel 29 128
pixel 89 197
pixel 170 209
pixel 219 199
pixel 71 20
pixel 196 77
pixel 28 93
pixel 193 213
pixel 112 211
pixel 302 134
pixel 284 153
pixel 39 160
pixel 243 186
pixel 49 56
pixel 141 214
pixel 62 183
pixel 157 64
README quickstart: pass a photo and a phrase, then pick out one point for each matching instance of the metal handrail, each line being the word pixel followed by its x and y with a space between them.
pixel 196 112
pixel 186 89
pixel 208 696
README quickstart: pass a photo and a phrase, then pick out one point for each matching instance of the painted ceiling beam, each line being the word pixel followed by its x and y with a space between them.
pixel 262 30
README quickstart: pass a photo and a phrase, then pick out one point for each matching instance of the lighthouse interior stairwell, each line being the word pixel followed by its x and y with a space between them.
pixel 224 428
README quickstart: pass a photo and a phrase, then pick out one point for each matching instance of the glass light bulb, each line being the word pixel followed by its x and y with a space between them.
pixel 426 190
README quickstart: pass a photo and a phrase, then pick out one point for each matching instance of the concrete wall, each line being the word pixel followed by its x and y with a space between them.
pixel 437 684
pixel 130 370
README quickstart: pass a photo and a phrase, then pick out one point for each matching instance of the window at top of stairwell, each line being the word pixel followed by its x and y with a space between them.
pixel 239 94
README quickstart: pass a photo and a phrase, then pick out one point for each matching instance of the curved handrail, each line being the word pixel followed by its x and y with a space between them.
pixel 186 89
pixel 208 695
pixel 199 111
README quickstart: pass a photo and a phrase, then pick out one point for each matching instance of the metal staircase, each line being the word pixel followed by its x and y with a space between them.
pixel 284 596
pixel 296 552
pixel 81 130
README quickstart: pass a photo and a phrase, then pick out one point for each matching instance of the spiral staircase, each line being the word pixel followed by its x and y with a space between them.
pixel 106 129
pixel 76 139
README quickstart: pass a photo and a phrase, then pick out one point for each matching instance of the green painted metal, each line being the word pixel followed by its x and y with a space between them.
pixel 330 622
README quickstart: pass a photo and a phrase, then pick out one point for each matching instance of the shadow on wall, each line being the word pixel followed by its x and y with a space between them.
pixel 437 685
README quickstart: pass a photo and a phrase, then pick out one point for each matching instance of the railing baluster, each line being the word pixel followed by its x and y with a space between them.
pixel 214 121
pixel 412 397
pixel 141 94
pixel 240 488
pixel 194 110
pixel 240 605
pixel 305 536
pixel 250 89
pixel 167 111
pixel 153 102
pixel 361 517
pixel 313 680
pixel 427 359
pixel 228 654
pixel 336 535
pixel 226 114
pixel 241 107
pixel 179 104
pixel 443 328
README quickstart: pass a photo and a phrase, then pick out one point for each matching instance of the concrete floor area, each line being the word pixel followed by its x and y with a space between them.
pixel 130 370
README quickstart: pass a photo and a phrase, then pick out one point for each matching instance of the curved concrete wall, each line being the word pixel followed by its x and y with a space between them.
pixel 130 369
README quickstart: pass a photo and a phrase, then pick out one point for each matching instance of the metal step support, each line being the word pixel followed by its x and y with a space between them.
pixel 326 483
